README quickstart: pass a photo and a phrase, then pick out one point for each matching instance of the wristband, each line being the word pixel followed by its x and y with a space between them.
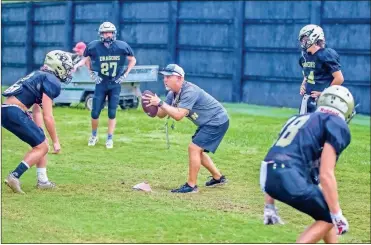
pixel 337 215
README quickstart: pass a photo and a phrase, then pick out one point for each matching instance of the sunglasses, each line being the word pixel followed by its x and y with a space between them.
pixel 170 70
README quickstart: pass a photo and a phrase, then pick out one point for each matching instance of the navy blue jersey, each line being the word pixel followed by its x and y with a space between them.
pixel 108 62
pixel 302 138
pixel 30 89
pixel 318 68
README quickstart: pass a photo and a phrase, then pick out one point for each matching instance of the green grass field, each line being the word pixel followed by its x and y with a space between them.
pixel 94 202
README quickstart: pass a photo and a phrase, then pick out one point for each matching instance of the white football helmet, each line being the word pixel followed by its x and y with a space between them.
pixel 313 33
pixel 107 27
pixel 60 64
pixel 337 100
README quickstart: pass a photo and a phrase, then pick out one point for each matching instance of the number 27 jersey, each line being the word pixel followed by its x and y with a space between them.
pixel 302 138
pixel 108 62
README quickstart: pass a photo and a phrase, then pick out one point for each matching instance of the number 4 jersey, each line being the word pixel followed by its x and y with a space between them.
pixel 318 68
pixel 108 62
pixel 302 138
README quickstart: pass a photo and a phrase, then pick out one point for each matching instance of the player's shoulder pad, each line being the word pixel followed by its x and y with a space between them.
pixel 121 44
pixel 338 133
pixel 93 44
pixel 338 121
pixel 328 54
pixel 51 86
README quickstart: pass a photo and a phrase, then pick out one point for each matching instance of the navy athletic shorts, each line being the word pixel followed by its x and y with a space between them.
pixel 209 137
pixel 290 185
pixel 21 124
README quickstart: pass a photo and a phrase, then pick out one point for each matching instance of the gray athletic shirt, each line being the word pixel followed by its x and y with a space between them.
pixel 203 108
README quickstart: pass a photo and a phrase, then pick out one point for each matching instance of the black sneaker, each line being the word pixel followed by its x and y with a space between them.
pixel 186 189
pixel 214 182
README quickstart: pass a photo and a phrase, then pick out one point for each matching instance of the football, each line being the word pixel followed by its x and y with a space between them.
pixel 151 110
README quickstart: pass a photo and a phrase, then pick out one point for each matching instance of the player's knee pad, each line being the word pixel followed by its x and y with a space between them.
pixel 98 101
pixel 112 113
pixel 95 113
pixel 113 102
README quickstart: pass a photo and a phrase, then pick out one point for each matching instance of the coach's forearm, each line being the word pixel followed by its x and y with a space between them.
pixel 173 112
pixel 161 113
pixel 50 126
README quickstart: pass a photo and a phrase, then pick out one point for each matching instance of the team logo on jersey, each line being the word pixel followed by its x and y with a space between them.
pixel 309 64
pixel 194 116
pixel 109 58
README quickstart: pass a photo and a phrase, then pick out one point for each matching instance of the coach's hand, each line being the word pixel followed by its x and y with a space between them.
pixel 95 77
pixel 153 100
pixel 340 223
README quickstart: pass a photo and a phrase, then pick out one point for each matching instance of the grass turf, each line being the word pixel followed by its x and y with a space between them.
pixel 94 202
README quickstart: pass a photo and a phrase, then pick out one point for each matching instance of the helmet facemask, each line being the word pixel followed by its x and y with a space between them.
pixel 108 40
pixel 65 73
pixel 310 35
pixel 104 28
pixel 305 42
